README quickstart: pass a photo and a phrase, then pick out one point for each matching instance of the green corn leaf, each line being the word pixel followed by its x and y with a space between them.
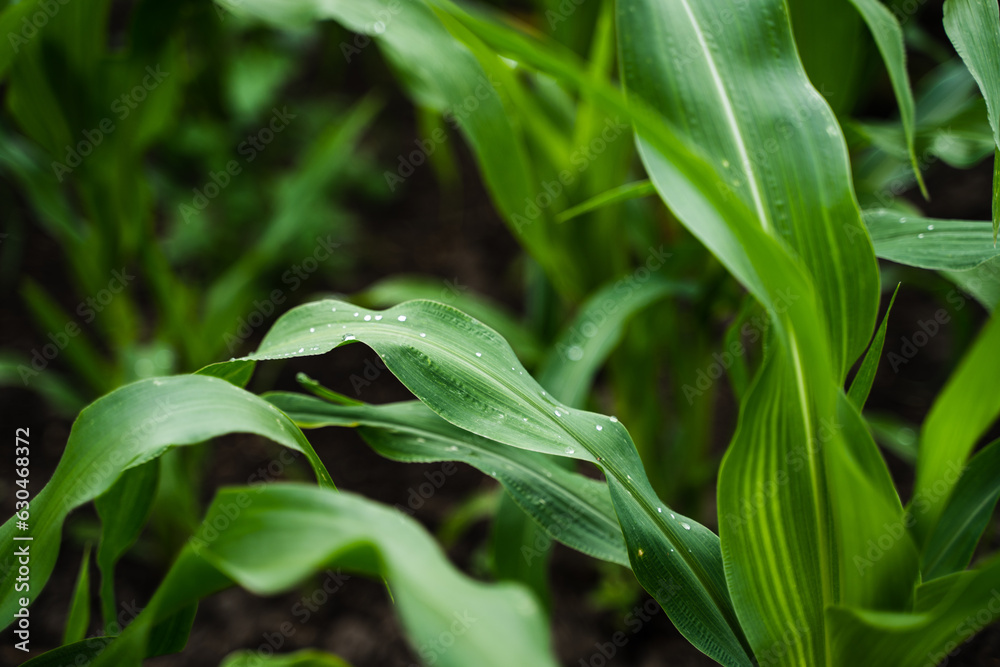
pixel 773 142
pixel 306 658
pixel 927 243
pixel 966 407
pixel 120 431
pixel 234 372
pixel 973 26
pixel 274 537
pixel 947 613
pixel 964 518
pixel 888 36
pixel 79 608
pixel 123 510
pixel 780 154
pixel 609 198
pixel 570 507
pixel 468 375
pixel 861 385
pixel 397 289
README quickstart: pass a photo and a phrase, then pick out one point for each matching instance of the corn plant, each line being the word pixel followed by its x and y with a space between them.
pixel 817 560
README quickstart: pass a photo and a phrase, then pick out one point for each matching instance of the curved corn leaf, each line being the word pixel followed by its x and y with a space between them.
pixel 941 245
pixel 741 94
pixel 954 425
pixel 861 385
pixel 888 35
pixel 120 431
pixel 568 506
pixel 468 375
pixel 398 289
pixel 948 612
pixel 774 141
pixel 306 658
pixel 973 26
pixel 269 538
pixel 964 518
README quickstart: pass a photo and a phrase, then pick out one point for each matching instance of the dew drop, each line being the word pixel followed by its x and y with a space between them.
pixel 301 349
pixel 453 448
pixel 614 420
pixel 558 414
pixel 401 318
pixel 379 27
pixel 902 220
pixel 333 310
pixel 355 314
pixel 725 163
pixel 672 516
pixel 312 329
pixel 686 526
pixel 640 553
pixel 368 318
pixel 574 353
pixel 660 510
pixel 599 427
pixel 423 335
pixel 348 337
pixel 831 130
pixel 920 236
pixel 570 450
pixel 421 440
pixel 378 317
pixel 930 228
pixel 479 354
pixel 525 419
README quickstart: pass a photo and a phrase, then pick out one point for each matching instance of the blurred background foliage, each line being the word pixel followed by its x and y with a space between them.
pixel 227 170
